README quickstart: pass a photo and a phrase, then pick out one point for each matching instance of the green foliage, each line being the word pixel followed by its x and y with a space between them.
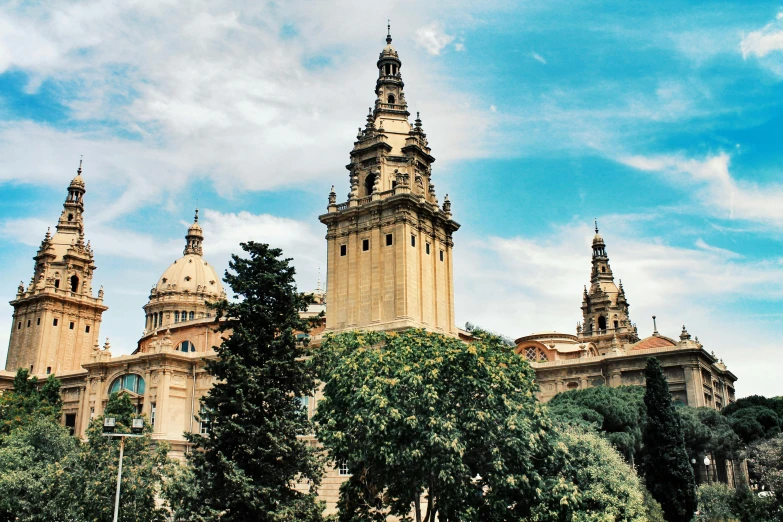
pixel 765 464
pixel 92 472
pixel 667 469
pixel 420 414
pixel 29 470
pixel 618 414
pixel 755 417
pixel 652 507
pixel 716 503
pixel 749 507
pixel 246 468
pixel 605 488
pixel 26 402
pixel 46 474
pixel 706 431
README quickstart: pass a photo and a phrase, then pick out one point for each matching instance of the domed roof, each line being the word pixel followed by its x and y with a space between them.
pixel 190 273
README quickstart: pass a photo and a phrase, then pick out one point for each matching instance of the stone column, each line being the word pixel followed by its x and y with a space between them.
pixel 84 410
pixel 691 383
pixel 164 383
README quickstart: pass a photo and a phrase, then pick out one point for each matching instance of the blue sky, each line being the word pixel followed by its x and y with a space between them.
pixel 662 120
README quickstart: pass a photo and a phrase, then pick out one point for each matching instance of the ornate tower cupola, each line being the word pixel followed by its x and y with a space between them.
pixel 604 306
pixel 194 238
pixel 389 245
pixel 56 318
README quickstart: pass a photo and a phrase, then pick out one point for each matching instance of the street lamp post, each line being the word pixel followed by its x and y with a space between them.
pixel 137 427
pixel 707 463
pixel 695 471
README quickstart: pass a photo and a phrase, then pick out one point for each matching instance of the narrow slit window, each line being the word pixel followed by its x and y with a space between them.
pixel 29 323
pixel 343 250
pixel 365 245
pixel 54 323
pixel 87 329
pixel 389 239
pixel 428 249
pixel 70 326
pixel 413 240
pixel 441 255
pixel 38 322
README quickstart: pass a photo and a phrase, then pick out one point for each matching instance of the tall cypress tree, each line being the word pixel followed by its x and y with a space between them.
pixel 667 471
pixel 246 467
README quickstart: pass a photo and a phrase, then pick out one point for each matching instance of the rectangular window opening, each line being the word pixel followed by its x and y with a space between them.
pixel 343 250
pixel 38 322
pixel 441 255
pixel 54 323
pixel 152 415
pixel 29 323
pixel 413 240
pixel 389 239
pixel 365 245
pixel 19 326
pixel 70 327
pixel 48 370
pixel 87 329
pixel 344 469
pixel 428 248
pixel 70 422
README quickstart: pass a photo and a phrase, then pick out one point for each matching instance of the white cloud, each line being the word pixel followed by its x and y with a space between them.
pixel 173 92
pixel 459 47
pixel 433 38
pixel 493 108
pixel 717 189
pixel 537 57
pixel 764 41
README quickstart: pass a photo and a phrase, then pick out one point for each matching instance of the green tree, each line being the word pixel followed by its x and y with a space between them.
pixel 715 503
pixel 30 478
pixel 92 472
pixel 247 466
pixel 667 470
pixel 28 401
pixel 755 417
pixel 417 414
pixel 706 431
pixel 618 414
pixel 605 487
pixel 765 464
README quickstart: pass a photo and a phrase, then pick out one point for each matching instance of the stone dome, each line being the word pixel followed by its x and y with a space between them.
pixel 190 273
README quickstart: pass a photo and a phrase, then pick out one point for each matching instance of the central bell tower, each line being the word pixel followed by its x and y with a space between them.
pixel 389 246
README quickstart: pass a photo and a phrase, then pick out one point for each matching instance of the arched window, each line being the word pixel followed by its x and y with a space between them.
pixel 192 315
pixel 74 283
pixel 176 317
pixel 391 98
pixel 603 269
pixel 130 382
pixel 534 354
pixel 70 217
pixel 184 315
pixel 369 184
pixel 57 283
pixel 601 322
pixel 155 320
pixel 186 346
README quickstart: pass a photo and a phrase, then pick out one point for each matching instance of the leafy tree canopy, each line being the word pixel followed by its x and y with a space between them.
pixel 706 431
pixel 28 401
pixel 247 467
pixel 667 469
pixel 417 415
pixel 605 487
pixel 618 413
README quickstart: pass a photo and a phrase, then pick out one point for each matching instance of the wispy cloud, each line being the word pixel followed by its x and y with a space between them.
pixel 716 189
pixel 537 57
pixel 766 40
pixel 433 38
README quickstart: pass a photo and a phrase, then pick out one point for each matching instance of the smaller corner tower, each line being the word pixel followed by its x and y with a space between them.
pixel 56 319
pixel 389 263
pixel 604 307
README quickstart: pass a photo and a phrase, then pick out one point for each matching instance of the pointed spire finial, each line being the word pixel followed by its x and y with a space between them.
pixel 655 327
pixel 79 170
pixel 596 225
pixel 388 32
pixel 195 219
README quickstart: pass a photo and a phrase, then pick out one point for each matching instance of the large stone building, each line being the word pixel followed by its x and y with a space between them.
pixel 607 350
pixel 389 255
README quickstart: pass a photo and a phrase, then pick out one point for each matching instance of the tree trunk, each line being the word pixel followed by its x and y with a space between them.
pixel 417 507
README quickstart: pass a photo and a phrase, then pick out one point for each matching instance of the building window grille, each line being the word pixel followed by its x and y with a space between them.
pixel 344 469
pixel 389 239
pixel 530 353
pixel 343 250
pixel 365 245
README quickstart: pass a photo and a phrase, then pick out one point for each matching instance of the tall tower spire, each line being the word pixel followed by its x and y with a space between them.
pixel 604 307
pixel 389 246
pixel 57 319
pixel 194 238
